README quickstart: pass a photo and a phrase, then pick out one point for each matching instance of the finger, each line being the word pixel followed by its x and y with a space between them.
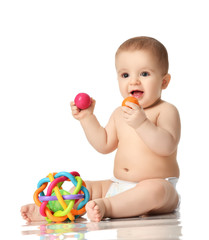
pixel 75 112
pixel 127 110
pixel 126 115
pixel 132 105
pixel 74 107
pixel 93 101
pixel 72 104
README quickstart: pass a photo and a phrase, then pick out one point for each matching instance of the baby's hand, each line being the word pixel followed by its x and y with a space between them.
pixel 134 116
pixel 81 114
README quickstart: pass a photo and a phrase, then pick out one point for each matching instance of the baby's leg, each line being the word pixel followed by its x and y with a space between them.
pixel 152 196
pixel 97 189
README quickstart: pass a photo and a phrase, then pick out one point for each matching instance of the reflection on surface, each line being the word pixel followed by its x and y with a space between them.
pixel 155 227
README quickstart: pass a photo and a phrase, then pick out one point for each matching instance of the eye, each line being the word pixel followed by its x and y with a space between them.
pixel 144 74
pixel 125 75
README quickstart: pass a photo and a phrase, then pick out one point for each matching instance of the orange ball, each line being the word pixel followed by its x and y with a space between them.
pixel 130 99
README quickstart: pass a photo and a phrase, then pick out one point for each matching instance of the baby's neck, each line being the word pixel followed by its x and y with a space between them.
pixel 153 104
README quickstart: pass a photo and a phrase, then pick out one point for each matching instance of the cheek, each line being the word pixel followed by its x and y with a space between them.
pixel 154 90
pixel 123 90
pixel 122 85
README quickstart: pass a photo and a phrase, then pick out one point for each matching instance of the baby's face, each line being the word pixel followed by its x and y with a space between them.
pixel 140 76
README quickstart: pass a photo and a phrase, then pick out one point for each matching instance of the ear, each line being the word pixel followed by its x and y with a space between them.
pixel 166 80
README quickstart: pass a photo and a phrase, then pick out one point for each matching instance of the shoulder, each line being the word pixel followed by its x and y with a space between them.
pixel 161 109
pixel 168 114
pixel 117 112
pixel 115 115
pixel 166 107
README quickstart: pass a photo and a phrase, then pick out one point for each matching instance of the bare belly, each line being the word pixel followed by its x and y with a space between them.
pixel 137 167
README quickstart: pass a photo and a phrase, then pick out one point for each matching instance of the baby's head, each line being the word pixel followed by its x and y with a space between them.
pixel 156 48
pixel 142 69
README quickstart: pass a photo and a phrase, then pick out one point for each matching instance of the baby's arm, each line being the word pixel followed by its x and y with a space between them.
pixel 161 138
pixel 104 140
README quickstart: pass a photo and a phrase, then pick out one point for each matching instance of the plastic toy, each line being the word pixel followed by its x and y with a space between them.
pixel 82 100
pixel 57 204
pixel 130 99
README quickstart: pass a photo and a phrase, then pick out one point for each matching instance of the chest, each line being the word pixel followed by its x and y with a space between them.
pixel 124 129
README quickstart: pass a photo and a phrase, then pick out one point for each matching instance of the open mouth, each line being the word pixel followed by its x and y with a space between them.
pixel 137 93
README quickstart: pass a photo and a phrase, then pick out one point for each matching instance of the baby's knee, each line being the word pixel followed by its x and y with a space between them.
pixel 156 190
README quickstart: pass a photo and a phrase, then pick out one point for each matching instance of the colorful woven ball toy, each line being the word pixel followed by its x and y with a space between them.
pixel 57 204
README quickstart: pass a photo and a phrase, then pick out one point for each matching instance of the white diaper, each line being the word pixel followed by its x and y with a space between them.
pixel 119 186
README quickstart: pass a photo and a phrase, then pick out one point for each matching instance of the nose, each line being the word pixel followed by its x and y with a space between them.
pixel 135 80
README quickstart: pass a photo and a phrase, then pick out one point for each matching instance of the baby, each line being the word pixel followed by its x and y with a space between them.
pixel 146 138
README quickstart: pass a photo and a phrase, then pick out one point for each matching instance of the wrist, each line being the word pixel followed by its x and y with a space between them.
pixel 142 124
pixel 87 117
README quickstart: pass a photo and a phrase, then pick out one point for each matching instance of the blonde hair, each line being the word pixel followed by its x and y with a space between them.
pixel 150 44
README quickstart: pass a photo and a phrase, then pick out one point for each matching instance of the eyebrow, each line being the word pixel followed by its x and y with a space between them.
pixel 150 69
pixel 144 68
pixel 122 70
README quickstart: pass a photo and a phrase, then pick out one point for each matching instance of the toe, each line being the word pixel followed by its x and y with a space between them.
pixel 96 207
pixel 91 204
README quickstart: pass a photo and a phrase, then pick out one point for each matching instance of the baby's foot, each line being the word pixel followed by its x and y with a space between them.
pixel 31 213
pixel 95 210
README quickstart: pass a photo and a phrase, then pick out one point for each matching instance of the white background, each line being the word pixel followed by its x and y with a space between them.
pixel 51 50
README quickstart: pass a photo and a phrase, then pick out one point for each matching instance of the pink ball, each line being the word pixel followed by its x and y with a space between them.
pixel 82 100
